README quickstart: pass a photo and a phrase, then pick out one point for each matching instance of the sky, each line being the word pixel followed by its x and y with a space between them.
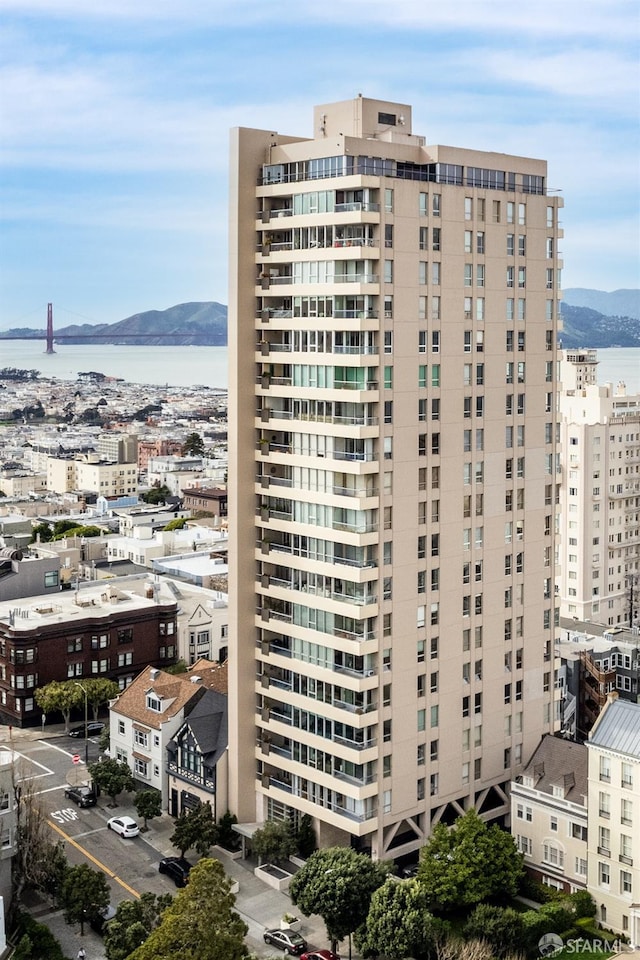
pixel 115 119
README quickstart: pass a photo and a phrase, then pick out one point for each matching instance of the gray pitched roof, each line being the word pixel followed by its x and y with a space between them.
pixel 618 728
pixel 558 762
pixel 208 723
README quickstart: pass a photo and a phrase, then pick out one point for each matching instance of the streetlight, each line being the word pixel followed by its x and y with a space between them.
pixel 86 734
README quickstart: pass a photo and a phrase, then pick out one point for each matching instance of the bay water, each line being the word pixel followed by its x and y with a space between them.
pixel 191 366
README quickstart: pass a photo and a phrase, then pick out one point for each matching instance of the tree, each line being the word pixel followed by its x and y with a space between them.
pixel 306 837
pixel 59 696
pixel 34 940
pixel 453 863
pixel 148 804
pixel 195 828
pixel 274 842
pixel 100 691
pixel 43 531
pixel 201 923
pixel 157 494
pixel 501 927
pixel 398 924
pixel 132 924
pixel 113 776
pixel 85 893
pixel 227 836
pixel 194 445
pixel 337 883
pixel 36 857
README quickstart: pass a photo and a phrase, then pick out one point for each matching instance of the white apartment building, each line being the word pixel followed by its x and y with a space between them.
pixel 105 479
pixel 549 814
pixel 599 569
pixel 614 814
pixel 392 472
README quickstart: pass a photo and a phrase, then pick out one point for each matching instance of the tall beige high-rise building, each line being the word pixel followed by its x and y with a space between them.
pixel 599 570
pixel 392 338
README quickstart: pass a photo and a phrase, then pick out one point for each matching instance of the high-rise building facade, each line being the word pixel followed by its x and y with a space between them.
pixel 392 340
pixel 599 569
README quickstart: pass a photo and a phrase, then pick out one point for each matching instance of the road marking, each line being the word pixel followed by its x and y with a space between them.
pixel 60 750
pixel 90 856
pixel 15 755
pixel 68 814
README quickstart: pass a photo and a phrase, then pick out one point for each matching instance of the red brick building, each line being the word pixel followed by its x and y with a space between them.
pixel 96 632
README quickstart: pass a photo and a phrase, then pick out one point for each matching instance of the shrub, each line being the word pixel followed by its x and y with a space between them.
pixel 227 837
pixel 583 904
pixel 501 927
pixel 35 941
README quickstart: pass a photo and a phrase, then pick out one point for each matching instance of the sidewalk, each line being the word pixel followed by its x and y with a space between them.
pixel 259 906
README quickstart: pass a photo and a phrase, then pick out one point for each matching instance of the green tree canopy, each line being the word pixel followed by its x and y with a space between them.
pixel 148 804
pixel 113 776
pixel 337 883
pixel 273 842
pixel 201 923
pixel 195 828
pixel 176 524
pixel 157 494
pixel 100 691
pixel 42 530
pixel 34 940
pixel 501 927
pixel 85 892
pixel 453 863
pixel 194 445
pixel 132 924
pixel 59 696
pixel 398 924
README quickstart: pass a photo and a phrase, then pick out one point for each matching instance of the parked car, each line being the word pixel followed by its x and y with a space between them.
pixel 83 796
pixel 177 868
pixel 320 955
pixel 410 871
pixel 288 940
pixel 125 826
pixel 93 727
pixel 100 922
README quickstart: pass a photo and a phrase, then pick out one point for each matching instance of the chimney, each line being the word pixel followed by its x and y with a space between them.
pixel 154 674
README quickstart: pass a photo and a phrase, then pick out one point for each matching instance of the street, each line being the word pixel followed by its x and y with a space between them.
pixel 130 865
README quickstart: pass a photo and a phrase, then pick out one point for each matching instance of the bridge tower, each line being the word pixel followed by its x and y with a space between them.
pixel 50 328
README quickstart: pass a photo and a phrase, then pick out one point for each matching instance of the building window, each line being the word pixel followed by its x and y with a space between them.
pixel 141 768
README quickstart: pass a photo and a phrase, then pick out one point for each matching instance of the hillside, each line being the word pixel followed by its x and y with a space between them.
pixel 205 324
pixel 617 303
pixel 186 324
pixel 582 327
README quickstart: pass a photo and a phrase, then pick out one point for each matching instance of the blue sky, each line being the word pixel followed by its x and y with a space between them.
pixel 115 119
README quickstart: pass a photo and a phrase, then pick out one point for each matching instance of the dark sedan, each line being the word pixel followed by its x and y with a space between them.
pixel 83 796
pixel 288 940
pixel 177 868
pixel 93 727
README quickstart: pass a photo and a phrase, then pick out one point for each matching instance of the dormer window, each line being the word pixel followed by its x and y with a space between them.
pixel 154 702
pixel 527 781
pixel 557 791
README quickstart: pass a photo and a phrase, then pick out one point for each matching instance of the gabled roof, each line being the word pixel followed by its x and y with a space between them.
pixel 207 721
pixel 174 691
pixel 560 763
pixel 618 728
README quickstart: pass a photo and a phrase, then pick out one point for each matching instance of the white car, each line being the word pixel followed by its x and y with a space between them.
pixel 125 826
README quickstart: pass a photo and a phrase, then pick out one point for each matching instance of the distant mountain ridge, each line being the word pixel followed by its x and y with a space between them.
pixel 617 303
pixel 185 324
pixel 585 324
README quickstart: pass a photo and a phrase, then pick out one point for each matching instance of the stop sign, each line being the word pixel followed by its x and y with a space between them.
pixel 76 758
